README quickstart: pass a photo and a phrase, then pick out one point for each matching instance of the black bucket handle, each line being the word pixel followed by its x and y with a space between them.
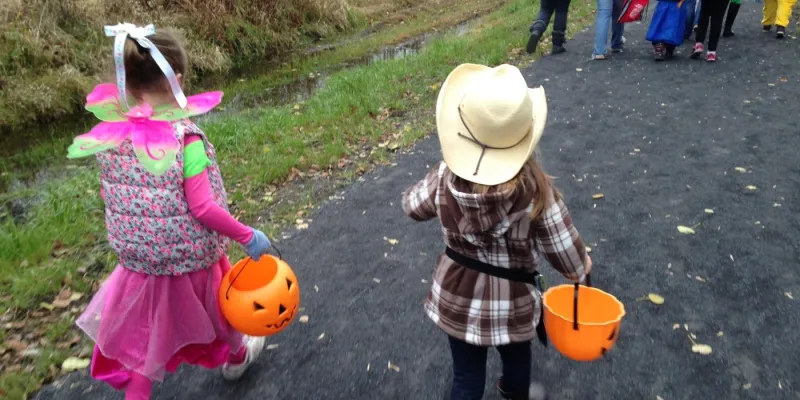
pixel 246 263
pixel 575 301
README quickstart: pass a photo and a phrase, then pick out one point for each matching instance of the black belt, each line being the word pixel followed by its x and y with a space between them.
pixel 515 275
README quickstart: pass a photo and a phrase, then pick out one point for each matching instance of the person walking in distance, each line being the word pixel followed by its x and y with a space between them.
pixel 733 11
pixel 546 10
pixel 712 13
pixel 608 12
pixel 778 13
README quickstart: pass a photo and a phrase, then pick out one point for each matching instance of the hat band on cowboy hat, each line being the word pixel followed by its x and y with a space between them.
pixel 489 122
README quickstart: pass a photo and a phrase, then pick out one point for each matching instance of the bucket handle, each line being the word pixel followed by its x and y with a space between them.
pixel 575 301
pixel 280 257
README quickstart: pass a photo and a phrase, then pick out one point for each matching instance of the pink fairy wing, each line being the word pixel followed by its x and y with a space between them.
pixel 195 105
pixel 104 103
pixel 104 136
pixel 155 145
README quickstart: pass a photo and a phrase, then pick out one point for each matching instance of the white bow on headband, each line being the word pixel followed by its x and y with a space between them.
pixel 140 34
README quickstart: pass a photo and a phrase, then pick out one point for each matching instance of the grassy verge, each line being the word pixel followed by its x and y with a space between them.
pixel 52 233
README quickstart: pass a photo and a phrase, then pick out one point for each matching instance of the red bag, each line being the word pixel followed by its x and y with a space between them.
pixel 633 11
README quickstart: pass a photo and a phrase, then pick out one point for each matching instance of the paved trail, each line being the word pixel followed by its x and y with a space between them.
pixel 661 141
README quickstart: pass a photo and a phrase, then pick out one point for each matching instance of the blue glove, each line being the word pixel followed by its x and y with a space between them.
pixel 258 245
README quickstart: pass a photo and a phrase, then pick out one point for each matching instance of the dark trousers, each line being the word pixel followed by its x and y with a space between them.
pixel 711 12
pixel 546 10
pixel 469 369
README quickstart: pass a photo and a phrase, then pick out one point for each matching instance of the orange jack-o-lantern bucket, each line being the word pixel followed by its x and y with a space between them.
pixel 259 298
pixel 582 322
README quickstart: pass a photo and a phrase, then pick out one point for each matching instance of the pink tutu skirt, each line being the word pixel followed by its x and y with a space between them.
pixel 150 325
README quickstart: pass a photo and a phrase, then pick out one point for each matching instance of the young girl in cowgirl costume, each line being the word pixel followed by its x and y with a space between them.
pixel 167 220
pixel 501 217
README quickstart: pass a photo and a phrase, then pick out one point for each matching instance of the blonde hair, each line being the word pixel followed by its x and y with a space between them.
pixel 142 74
pixel 544 186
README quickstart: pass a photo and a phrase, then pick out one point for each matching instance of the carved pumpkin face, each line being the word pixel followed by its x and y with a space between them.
pixel 599 319
pixel 259 298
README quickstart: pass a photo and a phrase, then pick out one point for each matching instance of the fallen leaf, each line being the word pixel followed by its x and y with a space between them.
pixel 720 334
pixel 391 241
pixel 655 299
pixel 598 196
pixel 579 69
pixel 272 346
pixel 703 349
pixel 393 367
pixel 731 256
pixel 780 386
pixel 368 367
pixel 676 327
pixel 686 327
pixel 709 211
pixel 376 280
pixel 789 295
pixel 685 230
pixel 751 187
pixel 302 227
pixel 303 319
pixel 322 336
pixel 740 169
pixel 47 306
pixel 747 386
pixel 699 279
pixel 588 249
pixel 316 288
pixel 74 364
pixel 659 398
pixel 693 336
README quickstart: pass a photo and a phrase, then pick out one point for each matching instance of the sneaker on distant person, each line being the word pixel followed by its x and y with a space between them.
pixel 711 56
pixel 254 346
pixel 780 32
pixel 618 50
pixel 697 51
pixel 659 52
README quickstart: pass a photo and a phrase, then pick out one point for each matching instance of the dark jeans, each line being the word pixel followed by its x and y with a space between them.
pixel 546 10
pixel 711 12
pixel 469 369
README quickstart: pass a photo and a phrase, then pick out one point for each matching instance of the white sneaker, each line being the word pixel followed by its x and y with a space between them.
pixel 254 346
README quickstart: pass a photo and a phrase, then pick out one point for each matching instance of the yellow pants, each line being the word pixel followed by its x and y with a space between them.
pixel 777 12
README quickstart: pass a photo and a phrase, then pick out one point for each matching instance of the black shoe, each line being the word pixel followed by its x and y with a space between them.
pixel 727 34
pixel 558 50
pixel 766 28
pixel 533 41
pixel 780 33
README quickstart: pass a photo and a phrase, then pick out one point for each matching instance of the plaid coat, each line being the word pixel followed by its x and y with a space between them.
pixel 496 229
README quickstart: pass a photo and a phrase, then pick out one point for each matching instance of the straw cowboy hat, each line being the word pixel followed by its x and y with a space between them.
pixel 489 122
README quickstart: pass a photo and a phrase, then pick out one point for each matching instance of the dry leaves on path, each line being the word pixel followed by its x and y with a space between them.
pixel 685 230
pixel 598 196
pixel 74 364
pixel 392 242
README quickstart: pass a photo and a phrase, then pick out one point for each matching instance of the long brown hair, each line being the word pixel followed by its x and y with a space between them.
pixel 142 74
pixel 544 186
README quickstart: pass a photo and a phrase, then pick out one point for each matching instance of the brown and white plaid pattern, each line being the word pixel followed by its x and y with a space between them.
pixel 494 228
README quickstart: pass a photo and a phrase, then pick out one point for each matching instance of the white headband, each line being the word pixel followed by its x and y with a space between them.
pixel 140 34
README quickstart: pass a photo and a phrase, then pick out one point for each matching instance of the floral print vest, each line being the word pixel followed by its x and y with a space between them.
pixel 149 223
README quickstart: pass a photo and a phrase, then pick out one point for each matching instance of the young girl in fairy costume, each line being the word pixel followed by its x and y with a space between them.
pixel 167 220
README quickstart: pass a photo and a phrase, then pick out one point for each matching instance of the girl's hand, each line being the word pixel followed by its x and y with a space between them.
pixel 258 245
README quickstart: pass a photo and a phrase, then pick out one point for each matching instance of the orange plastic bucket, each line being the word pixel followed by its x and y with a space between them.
pixel 260 298
pixel 582 322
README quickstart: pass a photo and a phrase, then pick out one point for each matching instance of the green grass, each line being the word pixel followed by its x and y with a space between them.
pixel 63 230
